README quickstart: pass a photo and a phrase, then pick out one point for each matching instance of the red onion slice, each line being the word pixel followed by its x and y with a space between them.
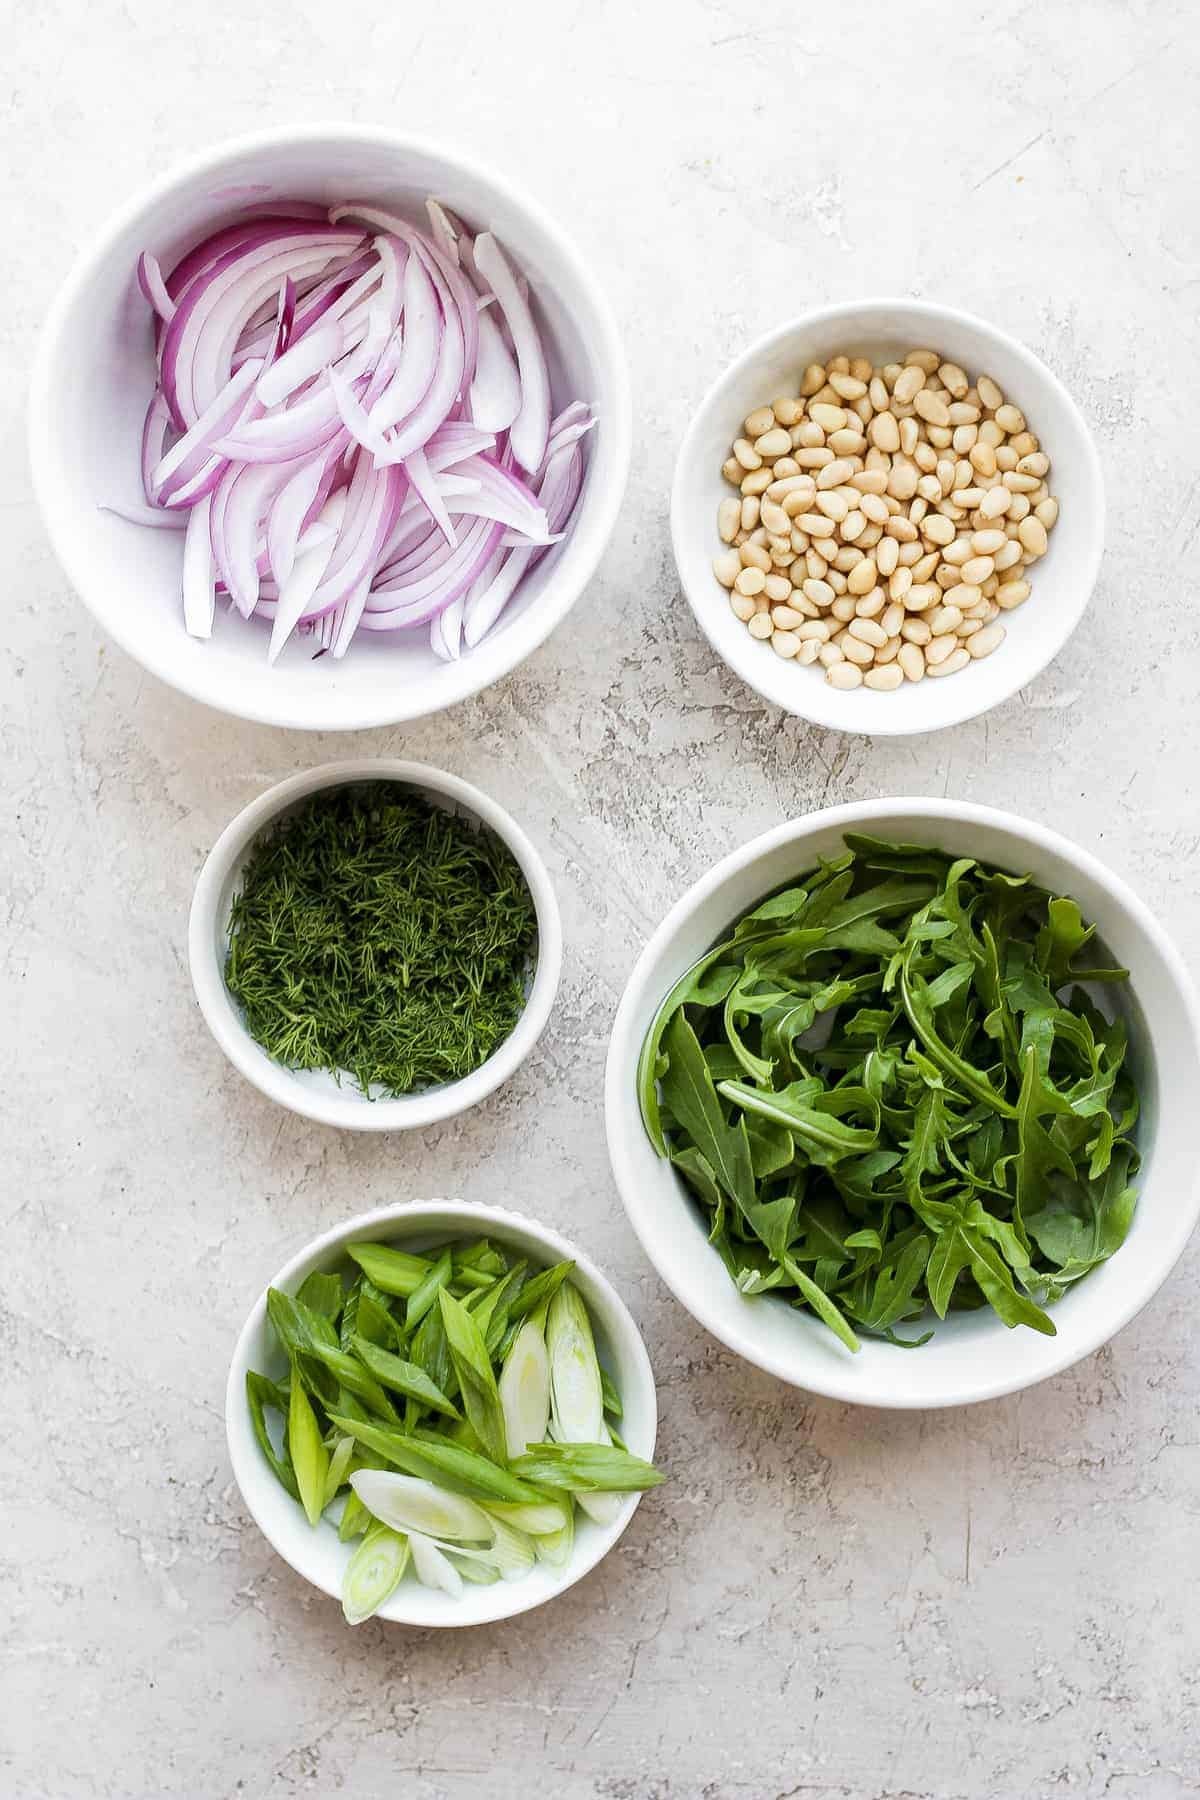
pixel 531 427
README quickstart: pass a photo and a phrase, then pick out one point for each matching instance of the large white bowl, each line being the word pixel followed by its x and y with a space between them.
pixel 314 1092
pixel 1062 580
pixel 317 1554
pixel 972 1356
pixel 94 375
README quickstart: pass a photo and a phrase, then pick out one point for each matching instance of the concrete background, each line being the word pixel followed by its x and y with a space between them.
pixel 824 1602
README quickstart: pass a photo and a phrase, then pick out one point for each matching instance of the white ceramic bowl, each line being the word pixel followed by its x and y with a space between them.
pixel 972 1356
pixel 313 1092
pixel 317 1555
pixel 1062 581
pixel 94 375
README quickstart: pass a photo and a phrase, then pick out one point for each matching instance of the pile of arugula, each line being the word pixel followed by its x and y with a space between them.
pixel 890 1091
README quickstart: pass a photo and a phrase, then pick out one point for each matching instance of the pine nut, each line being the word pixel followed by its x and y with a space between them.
pixel 773 443
pixel 787 412
pixel 760 626
pixel 844 675
pixel 760 420
pixel 995 502
pixel 847 386
pixel 953 663
pixel 742 608
pixel 1010 418
pixel 819 592
pixel 1012 594
pixel 754 556
pixel 868 631
pixel 732 470
pixel 892 618
pixel 727 567
pixel 829 654
pixel 816 629
pixel 921 596
pixel 884 433
pixel 729 519
pixel 989 393
pixel 982 458
pixel 1032 534
pixel 938 649
pixel 750 581
pixel 886 679
pixel 1009 556
pixel 861 578
pixel 843 608
pixel 910 436
pixel 976 569
pixel 939 530
pixel 985 641
pixel 909 383
pixel 808 654
pixel 785 644
pixel 926 360
pixel 847 442
pixel 750 510
pixel 944 619
pixel 777 589
pixel 931 408
pixel 829 418
pixel 887 557
pixel 746 454
pixel 855 651
pixel 915 631
pixel 1021 484
pixel 1047 512
pixel 813 380
pixel 911 659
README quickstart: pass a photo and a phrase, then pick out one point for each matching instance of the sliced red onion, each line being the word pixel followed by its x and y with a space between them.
pixel 531 427
pixel 341 422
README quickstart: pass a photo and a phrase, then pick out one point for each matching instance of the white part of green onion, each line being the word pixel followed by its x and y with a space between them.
pixel 525 1389
pixel 577 1396
pixel 601 1509
pixel 512 1551
pixel 407 1503
pixel 554 1547
pixel 373 1573
pixel 481 1574
pixel 434 1568
pixel 539 1518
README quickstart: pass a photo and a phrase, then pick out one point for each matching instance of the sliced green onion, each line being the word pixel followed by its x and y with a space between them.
pixel 525 1389
pixel 407 1503
pixel 512 1551
pixel 339 1462
pixel 539 1519
pixel 555 1547
pixel 578 1397
pixel 355 1518
pixel 434 1568
pixel 310 1459
pixel 373 1573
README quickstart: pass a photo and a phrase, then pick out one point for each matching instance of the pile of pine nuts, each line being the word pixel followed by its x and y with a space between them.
pixel 885 518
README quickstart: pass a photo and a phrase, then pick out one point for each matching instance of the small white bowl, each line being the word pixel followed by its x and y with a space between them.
pixel 317 1554
pixel 1062 580
pixel 972 1356
pixel 314 1092
pixel 94 375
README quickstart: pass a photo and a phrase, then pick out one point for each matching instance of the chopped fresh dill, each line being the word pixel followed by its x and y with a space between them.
pixel 378 935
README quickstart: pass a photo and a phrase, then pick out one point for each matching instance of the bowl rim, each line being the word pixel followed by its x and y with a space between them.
pixel 924 311
pixel 347 711
pixel 470 1213
pixel 402 1112
pixel 624 1045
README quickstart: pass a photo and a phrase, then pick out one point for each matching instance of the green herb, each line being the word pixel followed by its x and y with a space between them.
pixel 459 1334
pixel 380 935
pixel 891 1091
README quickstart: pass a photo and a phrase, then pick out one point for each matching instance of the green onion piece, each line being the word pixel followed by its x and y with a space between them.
pixel 339 1462
pixel 403 1377
pixel 473 1366
pixel 539 1521
pixel 597 1468
pixel 578 1397
pixel 261 1393
pixel 433 1458
pixel 472 1568
pixel 355 1518
pixel 392 1271
pixel 524 1389
pixel 512 1551
pixel 407 1503
pixel 434 1568
pixel 373 1573
pixel 612 1400
pixel 555 1547
pixel 423 1296
pixel 310 1459
pixel 537 1292
pixel 321 1294
pixel 601 1508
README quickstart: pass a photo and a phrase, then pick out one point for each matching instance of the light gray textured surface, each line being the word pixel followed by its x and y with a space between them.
pixel 823 1602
